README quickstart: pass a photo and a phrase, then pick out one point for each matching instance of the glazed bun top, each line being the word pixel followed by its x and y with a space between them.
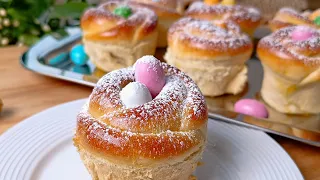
pixel 118 20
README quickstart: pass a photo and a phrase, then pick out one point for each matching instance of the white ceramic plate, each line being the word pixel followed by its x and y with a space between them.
pixel 41 148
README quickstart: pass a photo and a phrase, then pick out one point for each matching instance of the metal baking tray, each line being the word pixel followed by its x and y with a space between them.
pixel 304 128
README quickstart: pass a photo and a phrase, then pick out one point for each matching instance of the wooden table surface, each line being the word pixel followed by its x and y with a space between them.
pixel 25 93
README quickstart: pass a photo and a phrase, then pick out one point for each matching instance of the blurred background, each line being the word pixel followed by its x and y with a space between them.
pixel 24 22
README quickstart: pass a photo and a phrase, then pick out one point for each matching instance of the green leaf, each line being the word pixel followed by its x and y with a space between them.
pixel 59 34
pixel 21 16
pixel 54 23
pixel 20 5
pixel 68 10
pixel 39 6
pixel 24 12
pixel 28 39
pixel 33 7
pixel 5 3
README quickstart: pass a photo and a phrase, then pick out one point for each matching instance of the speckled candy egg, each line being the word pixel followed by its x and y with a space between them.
pixel 301 34
pixel 149 72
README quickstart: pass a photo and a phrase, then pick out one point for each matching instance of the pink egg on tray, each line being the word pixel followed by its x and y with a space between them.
pixel 251 107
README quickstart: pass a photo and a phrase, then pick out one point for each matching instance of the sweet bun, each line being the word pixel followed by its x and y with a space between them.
pixel 162 139
pixel 291 63
pixel 113 41
pixel 212 53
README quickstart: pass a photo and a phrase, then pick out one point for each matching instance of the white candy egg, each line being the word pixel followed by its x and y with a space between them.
pixel 135 94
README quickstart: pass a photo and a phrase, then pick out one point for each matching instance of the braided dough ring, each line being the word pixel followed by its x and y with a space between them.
pixel 291 71
pixel 114 42
pixel 162 139
pixel 212 53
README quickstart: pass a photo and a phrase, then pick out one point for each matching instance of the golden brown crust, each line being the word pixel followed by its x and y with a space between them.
pixel 107 141
pixel 191 37
pixel 291 70
pixel 289 17
pixel 247 18
pixel 314 15
pixel 295 59
pixel 169 125
pixel 100 24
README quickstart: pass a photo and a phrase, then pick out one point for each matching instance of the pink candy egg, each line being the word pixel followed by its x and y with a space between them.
pixel 251 107
pixel 301 34
pixel 149 72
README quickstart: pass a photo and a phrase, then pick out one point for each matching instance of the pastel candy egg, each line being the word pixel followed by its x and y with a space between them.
pixel 135 94
pixel 251 107
pixel 317 21
pixel 123 11
pixel 301 34
pixel 149 72
pixel 78 55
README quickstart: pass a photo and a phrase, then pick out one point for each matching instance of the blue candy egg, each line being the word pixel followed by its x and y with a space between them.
pixel 78 55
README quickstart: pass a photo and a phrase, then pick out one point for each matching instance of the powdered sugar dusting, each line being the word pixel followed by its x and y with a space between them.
pixel 236 11
pixel 213 35
pixel 152 62
pixel 106 93
pixel 288 9
pixel 149 59
pixel 305 50
pixel 180 98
